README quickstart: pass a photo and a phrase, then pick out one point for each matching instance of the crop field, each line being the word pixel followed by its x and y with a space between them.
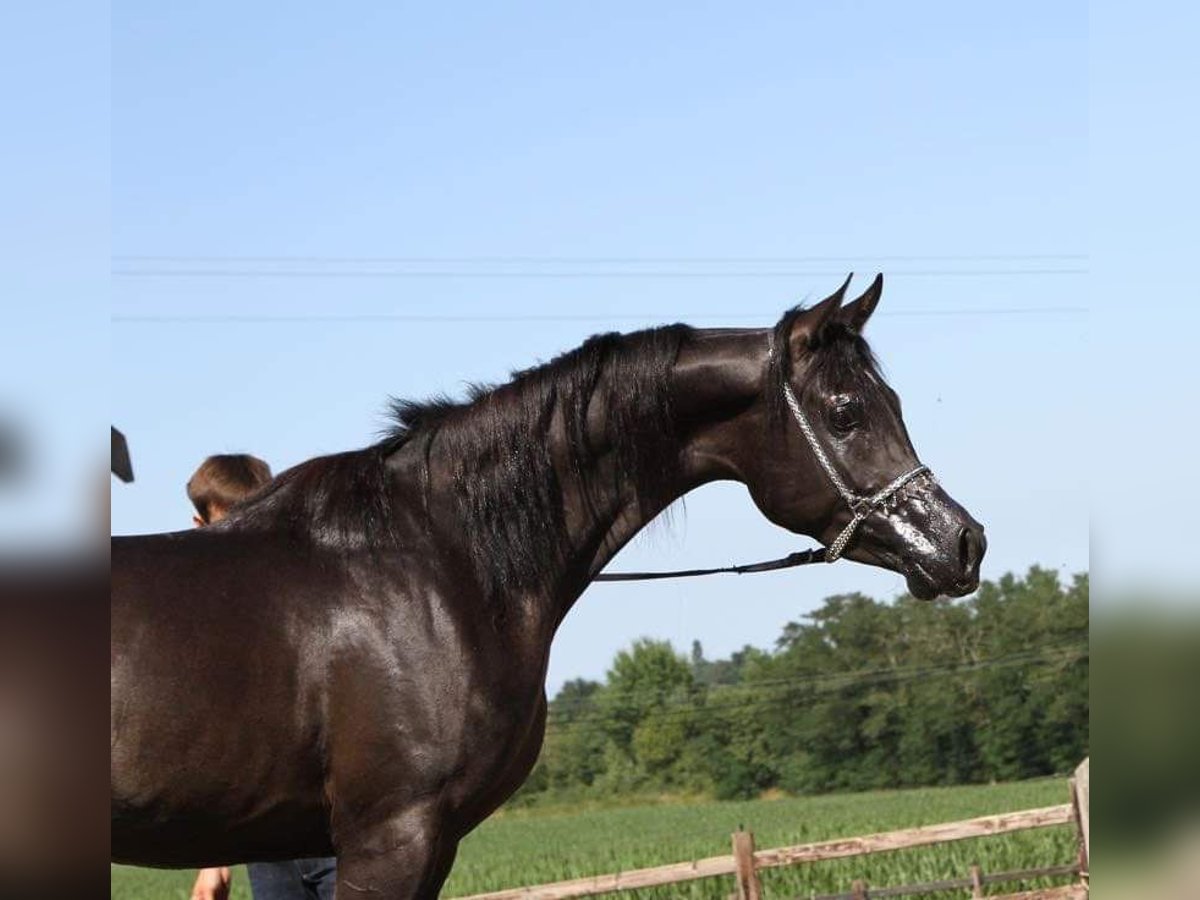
pixel 533 846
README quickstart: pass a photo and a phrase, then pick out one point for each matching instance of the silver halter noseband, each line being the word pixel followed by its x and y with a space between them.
pixel 860 505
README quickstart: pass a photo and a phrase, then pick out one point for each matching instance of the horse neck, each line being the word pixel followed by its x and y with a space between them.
pixel 717 391
pixel 715 388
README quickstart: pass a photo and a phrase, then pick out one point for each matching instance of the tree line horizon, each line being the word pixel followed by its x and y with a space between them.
pixel 859 694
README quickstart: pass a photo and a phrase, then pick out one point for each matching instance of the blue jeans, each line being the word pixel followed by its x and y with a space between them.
pixel 296 879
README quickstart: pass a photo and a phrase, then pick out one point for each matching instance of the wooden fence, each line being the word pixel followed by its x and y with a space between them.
pixel 745 862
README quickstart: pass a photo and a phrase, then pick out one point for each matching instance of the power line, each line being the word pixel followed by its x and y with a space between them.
pixel 437 274
pixel 598 722
pixel 824 685
pixel 572 260
pixel 418 318
pixel 1062 646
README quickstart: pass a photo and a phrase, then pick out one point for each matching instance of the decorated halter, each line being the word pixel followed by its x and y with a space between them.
pixel 861 505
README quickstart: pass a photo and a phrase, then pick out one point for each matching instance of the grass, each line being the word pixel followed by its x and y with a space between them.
pixel 532 846
pixel 130 883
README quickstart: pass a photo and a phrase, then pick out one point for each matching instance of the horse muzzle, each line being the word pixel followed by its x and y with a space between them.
pixel 958 577
pixel 929 539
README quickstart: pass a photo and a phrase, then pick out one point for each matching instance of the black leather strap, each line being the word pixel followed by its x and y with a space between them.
pixel 800 558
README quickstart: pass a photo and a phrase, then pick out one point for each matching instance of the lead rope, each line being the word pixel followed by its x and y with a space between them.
pixel 860 508
pixel 799 558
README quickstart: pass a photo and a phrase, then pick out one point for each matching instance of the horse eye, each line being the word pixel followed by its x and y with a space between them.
pixel 844 416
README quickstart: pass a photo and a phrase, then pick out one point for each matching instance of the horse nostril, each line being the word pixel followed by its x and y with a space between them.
pixel 970 548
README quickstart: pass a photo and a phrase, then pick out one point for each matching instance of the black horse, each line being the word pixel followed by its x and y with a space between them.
pixel 354 661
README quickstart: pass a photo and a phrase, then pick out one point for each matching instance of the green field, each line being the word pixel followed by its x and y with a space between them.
pixel 532 846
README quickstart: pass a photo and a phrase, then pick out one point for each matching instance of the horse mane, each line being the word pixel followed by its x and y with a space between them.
pixel 496 445
pixel 341 500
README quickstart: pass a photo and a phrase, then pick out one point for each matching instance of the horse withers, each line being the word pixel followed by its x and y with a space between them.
pixel 354 661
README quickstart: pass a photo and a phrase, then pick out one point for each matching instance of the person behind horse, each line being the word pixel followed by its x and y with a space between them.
pixel 217 486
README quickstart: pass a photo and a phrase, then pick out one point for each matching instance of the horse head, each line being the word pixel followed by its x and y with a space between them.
pixel 834 422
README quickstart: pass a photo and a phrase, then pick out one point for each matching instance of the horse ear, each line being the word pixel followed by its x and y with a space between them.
pixel 856 313
pixel 809 326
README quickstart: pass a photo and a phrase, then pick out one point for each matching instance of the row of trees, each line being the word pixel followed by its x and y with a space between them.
pixel 860 694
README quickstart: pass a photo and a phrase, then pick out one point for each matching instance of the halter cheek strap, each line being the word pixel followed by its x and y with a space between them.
pixel 861 505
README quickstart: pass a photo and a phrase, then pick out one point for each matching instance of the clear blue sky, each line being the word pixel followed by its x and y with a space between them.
pixel 750 154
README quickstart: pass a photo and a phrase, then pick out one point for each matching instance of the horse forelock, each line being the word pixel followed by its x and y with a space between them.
pixel 841 360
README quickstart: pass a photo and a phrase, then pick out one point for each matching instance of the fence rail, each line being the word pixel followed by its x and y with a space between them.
pixel 744 862
pixel 974 883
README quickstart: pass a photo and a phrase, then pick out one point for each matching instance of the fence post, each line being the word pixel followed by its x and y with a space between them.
pixel 858 889
pixel 976 881
pixel 748 887
pixel 1081 798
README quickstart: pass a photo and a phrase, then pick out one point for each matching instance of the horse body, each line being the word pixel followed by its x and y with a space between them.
pixel 193 781
pixel 355 660
pixel 364 684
